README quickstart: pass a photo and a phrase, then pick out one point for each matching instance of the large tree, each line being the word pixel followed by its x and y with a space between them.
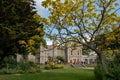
pixel 20 30
pixel 110 43
pixel 81 21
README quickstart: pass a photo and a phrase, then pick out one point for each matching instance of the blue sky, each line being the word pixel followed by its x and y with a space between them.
pixel 41 10
pixel 44 13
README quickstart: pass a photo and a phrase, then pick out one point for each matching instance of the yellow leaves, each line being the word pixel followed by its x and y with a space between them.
pixel 111 37
pixel 38 29
pixel 93 23
pixel 76 30
pixel 36 17
pixel 22 42
pixel 86 21
pixel 65 2
pixel 113 0
pixel 88 5
pixel 35 37
pixel 57 2
pixel 88 15
pixel 31 42
pixel 46 3
pixel 52 19
pixel 90 9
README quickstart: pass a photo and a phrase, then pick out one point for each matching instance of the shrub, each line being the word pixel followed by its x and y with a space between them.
pixel 47 66
pixel 114 68
pixel 61 59
pixel 57 66
pixel 7 71
pixel 32 70
pixel 53 65
pixel 38 69
pixel 22 65
pixel 20 71
pixel 114 74
pixel 99 73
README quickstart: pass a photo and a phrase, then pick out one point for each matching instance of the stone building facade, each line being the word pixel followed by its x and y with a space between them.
pixel 72 56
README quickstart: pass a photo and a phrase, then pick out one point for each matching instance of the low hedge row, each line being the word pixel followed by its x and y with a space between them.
pixel 53 65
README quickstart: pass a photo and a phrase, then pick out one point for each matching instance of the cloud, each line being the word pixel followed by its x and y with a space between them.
pixel 49 42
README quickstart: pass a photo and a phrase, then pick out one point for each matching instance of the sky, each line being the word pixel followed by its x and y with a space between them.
pixel 44 13
pixel 41 10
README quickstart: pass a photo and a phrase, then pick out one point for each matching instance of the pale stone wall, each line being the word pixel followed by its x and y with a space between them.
pixel 19 57
pixel 31 58
pixel 72 56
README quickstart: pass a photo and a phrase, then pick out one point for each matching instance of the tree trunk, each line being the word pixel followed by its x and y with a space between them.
pixel 100 57
pixel 102 62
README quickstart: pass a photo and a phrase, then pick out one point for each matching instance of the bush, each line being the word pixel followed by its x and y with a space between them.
pixel 114 74
pixel 53 65
pixel 32 70
pixel 47 67
pixel 38 69
pixel 20 67
pixel 113 69
pixel 61 59
pixel 9 62
pixel 20 72
pixel 7 71
pixel 23 65
pixel 57 66
pixel 99 73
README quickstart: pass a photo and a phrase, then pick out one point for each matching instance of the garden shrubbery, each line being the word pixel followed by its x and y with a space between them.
pixel 13 67
pixel 113 69
pixel 53 65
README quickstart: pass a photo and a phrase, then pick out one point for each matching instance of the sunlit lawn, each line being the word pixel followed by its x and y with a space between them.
pixel 58 74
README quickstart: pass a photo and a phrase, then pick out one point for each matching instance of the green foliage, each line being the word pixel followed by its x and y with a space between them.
pixel 47 67
pixel 8 71
pixel 109 42
pixel 61 58
pixel 113 66
pixel 9 62
pixel 19 67
pixel 20 31
pixel 32 70
pixel 99 73
pixel 52 65
pixel 23 65
pixel 50 59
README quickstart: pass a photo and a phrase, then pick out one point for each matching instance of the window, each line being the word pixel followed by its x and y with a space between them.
pixel 78 52
pixel 71 53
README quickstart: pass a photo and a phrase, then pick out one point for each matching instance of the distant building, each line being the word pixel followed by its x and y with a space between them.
pixel 72 56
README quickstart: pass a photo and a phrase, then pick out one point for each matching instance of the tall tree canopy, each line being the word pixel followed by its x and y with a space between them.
pixel 81 21
pixel 20 30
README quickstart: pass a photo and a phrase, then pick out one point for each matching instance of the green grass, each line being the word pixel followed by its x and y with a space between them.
pixel 57 74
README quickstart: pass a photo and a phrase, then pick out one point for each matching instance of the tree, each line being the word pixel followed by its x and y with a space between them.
pixel 61 58
pixel 81 21
pixel 109 42
pixel 20 30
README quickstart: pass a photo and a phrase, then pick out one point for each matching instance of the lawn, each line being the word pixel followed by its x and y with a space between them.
pixel 58 74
